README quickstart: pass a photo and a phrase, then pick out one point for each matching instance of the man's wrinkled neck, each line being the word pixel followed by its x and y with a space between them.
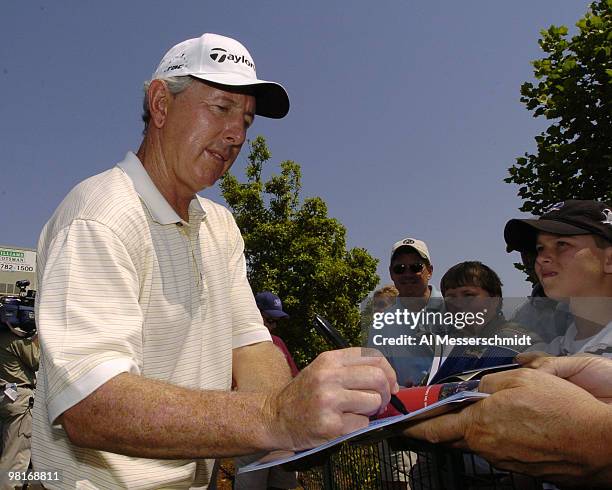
pixel 151 156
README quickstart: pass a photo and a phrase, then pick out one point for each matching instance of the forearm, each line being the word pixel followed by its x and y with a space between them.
pixel 260 367
pixel 141 417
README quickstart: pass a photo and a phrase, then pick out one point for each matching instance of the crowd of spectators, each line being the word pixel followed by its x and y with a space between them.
pixel 569 249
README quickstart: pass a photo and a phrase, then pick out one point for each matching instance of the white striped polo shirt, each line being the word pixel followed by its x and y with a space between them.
pixel 126 286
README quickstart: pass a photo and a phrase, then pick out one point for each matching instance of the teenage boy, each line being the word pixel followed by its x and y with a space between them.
pixel 573 242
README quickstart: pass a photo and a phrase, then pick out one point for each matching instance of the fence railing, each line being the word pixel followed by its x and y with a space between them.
pixel 396 464
pixel 411 465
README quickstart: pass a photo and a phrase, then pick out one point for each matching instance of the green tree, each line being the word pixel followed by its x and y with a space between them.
pixel 573 159
pixel 296 251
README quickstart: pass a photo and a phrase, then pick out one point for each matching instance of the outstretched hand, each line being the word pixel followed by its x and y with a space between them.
pixel 534 422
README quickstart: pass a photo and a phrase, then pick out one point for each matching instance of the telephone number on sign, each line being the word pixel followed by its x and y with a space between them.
pixel 16 268
pixel 34 476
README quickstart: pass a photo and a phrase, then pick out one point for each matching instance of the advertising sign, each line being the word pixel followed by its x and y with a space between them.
pixel 15 260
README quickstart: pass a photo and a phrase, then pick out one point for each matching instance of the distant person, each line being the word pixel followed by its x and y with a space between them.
pixel 271 308
pixel 384 297
pixel 19 355
pixel 473 287
pixel 573 242
pixel 410 269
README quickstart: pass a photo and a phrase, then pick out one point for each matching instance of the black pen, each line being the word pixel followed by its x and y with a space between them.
pixel 333 337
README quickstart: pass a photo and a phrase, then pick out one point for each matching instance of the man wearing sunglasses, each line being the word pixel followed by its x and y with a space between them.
pixel 411 270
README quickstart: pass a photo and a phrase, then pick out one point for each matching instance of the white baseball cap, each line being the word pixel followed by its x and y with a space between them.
pixel 418 246
pixel 225 61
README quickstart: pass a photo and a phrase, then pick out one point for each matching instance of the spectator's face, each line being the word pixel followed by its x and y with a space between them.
pixel 203 132
pixel 473 299
pixel 408 282
pixel 571 266
pixel 381 302
pixel 268 321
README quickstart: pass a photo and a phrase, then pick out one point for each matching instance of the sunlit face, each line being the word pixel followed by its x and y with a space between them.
pixel 410 284
pixel 203 133
pixel 473 299
pixel 570 266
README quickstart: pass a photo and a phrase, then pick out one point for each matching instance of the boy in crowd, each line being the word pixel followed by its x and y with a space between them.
pixel 473 287
pixel 573 242
pixel 539 313
pixel 469 287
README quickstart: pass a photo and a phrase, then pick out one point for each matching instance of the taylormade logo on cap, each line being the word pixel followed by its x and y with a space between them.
pixel 220 55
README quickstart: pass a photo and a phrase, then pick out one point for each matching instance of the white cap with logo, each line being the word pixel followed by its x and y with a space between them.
pixel 418 246
pixel 225 61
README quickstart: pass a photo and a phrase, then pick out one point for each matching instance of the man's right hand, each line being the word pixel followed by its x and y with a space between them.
pixel 331 397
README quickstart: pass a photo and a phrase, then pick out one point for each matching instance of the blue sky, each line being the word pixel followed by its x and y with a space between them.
pixel 405 115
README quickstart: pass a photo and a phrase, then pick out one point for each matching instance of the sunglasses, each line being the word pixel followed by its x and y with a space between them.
pixel 414 268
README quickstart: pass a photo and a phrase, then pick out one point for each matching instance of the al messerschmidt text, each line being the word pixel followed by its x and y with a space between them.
pixel 496 340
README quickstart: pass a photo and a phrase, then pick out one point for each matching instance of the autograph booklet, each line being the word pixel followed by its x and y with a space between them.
pixel 422 402
pixel 465 364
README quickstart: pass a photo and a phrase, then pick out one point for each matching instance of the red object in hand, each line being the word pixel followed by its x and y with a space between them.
pixel 413 398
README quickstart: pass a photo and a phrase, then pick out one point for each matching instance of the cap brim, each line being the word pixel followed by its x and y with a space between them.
pixel 521 234
pixel 276 314
pixel 271 98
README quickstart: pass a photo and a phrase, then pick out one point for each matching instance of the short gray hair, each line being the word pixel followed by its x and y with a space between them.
pixel 175 84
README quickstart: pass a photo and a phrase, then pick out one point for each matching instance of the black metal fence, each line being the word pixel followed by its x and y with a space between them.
pixel 397 464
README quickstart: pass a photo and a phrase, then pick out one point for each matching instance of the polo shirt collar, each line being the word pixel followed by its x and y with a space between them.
pixel 156 203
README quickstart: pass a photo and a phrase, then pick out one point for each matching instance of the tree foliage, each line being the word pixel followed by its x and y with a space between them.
pixel 573 159
pixel 296 251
